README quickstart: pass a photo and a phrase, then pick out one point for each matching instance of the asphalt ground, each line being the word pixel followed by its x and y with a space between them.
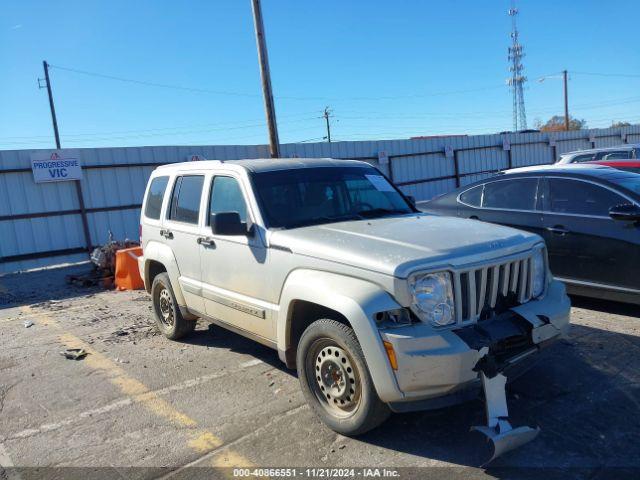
pixel 141 406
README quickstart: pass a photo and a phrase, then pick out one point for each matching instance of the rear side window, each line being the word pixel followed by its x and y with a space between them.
pixel 516 194
pixel 226 196
pixel 185 200
pixel 581 198
pixel 155 196
pixel 472 196
pixel 582 158
pixel 615 155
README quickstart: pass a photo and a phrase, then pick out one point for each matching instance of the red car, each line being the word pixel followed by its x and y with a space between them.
pixel 628 165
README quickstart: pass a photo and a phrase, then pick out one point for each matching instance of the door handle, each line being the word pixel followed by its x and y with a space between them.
pixel 206 241
pixel 558 230
pixel 166 233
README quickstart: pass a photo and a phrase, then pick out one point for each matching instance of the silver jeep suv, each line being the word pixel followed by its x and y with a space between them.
pixel 379 307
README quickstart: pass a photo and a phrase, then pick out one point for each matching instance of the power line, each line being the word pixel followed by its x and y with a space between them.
pixel 316 139
pixel 178 130
pixel 153 84
pixel 295 118
pixel 605 74
pixel 255 95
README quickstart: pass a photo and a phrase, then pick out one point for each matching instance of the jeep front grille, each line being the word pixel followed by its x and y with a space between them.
pixel 482 289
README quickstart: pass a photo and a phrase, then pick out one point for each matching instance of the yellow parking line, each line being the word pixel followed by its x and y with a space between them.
pixel 36 316
pixel 201 440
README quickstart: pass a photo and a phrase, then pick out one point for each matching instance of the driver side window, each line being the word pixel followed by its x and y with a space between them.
pixel 226 196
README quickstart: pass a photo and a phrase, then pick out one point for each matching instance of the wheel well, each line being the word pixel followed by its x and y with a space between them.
pixel 301 315
pixel 154 268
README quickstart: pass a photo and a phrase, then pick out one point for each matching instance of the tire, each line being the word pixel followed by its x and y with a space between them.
pixel 335 379
pixel 168 318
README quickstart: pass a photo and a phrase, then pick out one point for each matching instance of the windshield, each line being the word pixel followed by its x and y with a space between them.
pixel 311 196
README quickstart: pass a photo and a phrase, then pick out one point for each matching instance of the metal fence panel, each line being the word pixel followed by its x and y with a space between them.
pixel 36 219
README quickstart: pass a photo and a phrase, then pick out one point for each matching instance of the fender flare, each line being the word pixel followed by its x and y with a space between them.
pixel 358 301
pixel 156 251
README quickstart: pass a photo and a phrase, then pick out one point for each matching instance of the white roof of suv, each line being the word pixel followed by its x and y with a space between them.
pixel 624 146
pixel 266 164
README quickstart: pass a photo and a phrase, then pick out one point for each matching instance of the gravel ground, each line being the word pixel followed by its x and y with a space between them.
pixel 141 406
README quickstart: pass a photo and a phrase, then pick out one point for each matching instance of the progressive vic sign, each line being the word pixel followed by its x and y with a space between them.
pixel 56 166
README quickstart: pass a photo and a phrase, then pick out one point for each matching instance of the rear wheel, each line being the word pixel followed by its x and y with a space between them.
pixel 168 318
pixel 335 380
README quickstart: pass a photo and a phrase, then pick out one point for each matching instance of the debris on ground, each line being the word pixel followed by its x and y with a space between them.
pixel 74 353
pixel 132 333
pixel 94 278
pixel 104 264
pixel 28 323
pixel 104 257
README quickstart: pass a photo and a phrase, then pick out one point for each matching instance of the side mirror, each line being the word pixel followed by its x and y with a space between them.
pixel 227 223
pixel 412 199
pixel 625 212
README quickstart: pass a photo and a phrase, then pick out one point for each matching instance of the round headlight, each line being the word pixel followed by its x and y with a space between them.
pixel 433 298
pixel 539 272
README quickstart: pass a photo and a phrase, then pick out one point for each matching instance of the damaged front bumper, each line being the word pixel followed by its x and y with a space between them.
pixel 436 369
pixel 439 368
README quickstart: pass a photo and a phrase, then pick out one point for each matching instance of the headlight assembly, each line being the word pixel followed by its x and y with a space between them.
pixel 539 272
pixel 433 298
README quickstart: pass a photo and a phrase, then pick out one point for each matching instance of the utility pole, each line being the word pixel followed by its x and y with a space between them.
pixel 566 100
pixel 83 212
pixel 326 115
pixel 51 105
pixel 263 59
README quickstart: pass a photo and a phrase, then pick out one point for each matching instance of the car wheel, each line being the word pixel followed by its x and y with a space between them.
pixel 335 379
pixel 168 318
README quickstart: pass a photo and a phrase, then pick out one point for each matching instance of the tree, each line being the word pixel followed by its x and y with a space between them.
pixel 620 124
pixel 556 124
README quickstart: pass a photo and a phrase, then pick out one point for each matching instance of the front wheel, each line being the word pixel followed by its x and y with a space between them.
pixel 335 380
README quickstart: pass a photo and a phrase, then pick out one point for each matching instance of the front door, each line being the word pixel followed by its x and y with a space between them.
pixel 235 281
pixel 584 243
pixel 180 231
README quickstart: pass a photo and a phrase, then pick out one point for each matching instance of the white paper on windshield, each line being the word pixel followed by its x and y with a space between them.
pixel 380 183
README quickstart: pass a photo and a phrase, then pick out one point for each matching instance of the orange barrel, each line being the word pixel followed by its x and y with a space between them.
pixel 127 273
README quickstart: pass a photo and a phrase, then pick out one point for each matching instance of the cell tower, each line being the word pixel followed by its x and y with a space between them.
pixel 517 78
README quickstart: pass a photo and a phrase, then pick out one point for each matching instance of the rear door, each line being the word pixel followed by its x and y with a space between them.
pixel 510 201
pixel 181 231
pixel 584 243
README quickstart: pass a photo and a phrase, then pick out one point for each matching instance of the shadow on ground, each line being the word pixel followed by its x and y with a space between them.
pixel 606 306
pixel 583 393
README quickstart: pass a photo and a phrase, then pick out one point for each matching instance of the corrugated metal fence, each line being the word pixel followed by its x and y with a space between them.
pixel 41 224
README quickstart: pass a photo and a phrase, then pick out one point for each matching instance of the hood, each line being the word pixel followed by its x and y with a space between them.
pixel 398 245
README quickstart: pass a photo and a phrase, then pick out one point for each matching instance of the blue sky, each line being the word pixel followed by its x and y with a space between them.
pixel 387 69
